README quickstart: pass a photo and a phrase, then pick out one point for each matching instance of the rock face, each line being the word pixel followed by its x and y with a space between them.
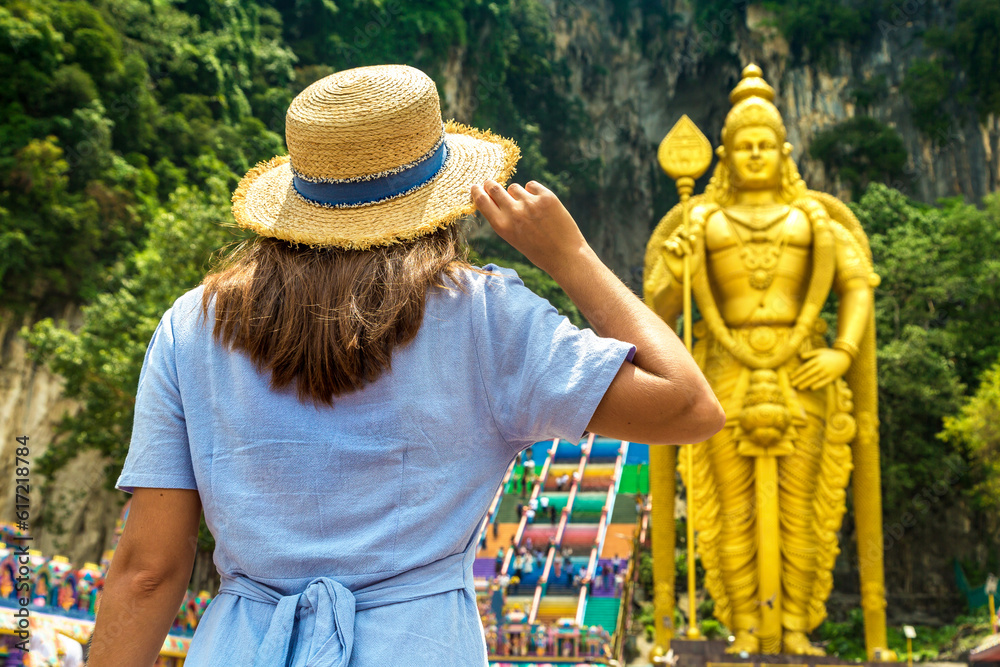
pixel 632 83
pixel 81 512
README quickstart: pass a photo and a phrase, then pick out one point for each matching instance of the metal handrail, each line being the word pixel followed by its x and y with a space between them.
pixel 561 529
pixel 602 530
pixel 536 489
pixel 494 507
pixel 628 588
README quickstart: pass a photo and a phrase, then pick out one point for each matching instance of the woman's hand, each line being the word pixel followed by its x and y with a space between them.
pixel 661 396
pixel 534 221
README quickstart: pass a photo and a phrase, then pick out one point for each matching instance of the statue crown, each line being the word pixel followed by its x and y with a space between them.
pixel 752 105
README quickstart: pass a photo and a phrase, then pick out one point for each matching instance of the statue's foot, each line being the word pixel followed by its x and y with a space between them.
pixel 744 642
pixel 796 643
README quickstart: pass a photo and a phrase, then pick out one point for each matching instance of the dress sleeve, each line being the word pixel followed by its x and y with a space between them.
pixel 159 455
pixel 542 375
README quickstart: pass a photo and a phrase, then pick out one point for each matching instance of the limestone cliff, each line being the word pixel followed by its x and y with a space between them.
pixel 80 512
pixel 634 84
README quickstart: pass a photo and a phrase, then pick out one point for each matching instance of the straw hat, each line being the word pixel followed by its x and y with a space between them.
pixel 370 163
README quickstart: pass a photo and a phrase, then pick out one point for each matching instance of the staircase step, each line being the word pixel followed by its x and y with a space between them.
pixel 602 612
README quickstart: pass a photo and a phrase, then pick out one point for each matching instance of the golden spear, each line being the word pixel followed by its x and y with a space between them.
pixel 684 154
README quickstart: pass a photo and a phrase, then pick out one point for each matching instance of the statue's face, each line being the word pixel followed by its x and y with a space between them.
pixel 755 158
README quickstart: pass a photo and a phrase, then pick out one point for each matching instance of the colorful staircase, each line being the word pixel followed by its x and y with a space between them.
pixel 602 612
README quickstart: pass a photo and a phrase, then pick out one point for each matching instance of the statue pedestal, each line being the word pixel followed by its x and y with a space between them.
pixel 712 653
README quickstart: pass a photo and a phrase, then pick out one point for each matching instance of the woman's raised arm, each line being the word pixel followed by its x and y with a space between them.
pixel 662 396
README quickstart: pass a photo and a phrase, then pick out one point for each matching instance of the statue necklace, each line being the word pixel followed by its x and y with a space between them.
pixel 760 255
pixel 819 287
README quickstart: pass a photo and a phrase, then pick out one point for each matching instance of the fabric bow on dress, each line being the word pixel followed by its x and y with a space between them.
pixel 333 633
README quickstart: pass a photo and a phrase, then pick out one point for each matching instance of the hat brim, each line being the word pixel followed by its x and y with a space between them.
pixel 266 202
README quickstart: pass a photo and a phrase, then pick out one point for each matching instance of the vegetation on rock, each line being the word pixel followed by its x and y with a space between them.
pixel 861 150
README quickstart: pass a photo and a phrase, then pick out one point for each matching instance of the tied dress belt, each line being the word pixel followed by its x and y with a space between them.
pixel 333 606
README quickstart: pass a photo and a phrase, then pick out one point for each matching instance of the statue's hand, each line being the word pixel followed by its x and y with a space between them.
pixel 822 366
pixel 675 249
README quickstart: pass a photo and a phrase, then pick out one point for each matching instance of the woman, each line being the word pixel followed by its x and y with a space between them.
pixel 343 397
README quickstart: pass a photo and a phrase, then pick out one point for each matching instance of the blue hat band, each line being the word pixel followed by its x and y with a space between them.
pixel 346 194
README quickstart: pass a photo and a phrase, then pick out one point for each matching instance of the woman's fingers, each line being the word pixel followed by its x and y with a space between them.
pixel 535 188
pixel 499 195
pixel 517 192
pixel 484 202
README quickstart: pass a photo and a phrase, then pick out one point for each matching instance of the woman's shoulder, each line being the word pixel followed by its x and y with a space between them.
pixel 190 300
pixel 491 285
pixel 186 310
pixel 482 278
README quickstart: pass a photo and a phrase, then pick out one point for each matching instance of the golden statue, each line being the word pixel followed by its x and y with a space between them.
pixel 763 254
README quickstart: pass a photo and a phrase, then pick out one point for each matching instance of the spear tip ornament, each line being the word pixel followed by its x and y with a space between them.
pixel 685 152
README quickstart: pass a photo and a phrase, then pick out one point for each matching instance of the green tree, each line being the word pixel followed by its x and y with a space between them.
pixel 974 43
pixel 861 150
pixel 101 361
pixel 814 28
pixel 95 93
pixel 936 333
pixel 927 86
pixel 977 429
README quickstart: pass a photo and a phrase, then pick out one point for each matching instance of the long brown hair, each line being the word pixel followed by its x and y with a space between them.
pixel 325 318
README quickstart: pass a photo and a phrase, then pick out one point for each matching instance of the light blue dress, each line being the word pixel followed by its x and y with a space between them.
pixel 345 535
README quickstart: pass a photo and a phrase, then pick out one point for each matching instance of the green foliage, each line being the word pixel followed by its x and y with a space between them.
pixel 646 619
pixel 101 361
pixel 681 560
pixel 976 428
pixel 846 639
pixel 936 326
pixel 52 234
pixel 715 21
pixel 861 150
pixel 94 94
pixel 960 296
pixel 371 32
pixel 711 628
pixel 656 17
pixel 814 27
pixel 864 94
pixel 646 573
pixel 927 85
pixel 918 387
pixel 974 43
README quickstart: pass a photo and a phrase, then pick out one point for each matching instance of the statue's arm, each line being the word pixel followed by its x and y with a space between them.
pixel 663 291
pixel 853 288
pixel 823 365
pixel 664 286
